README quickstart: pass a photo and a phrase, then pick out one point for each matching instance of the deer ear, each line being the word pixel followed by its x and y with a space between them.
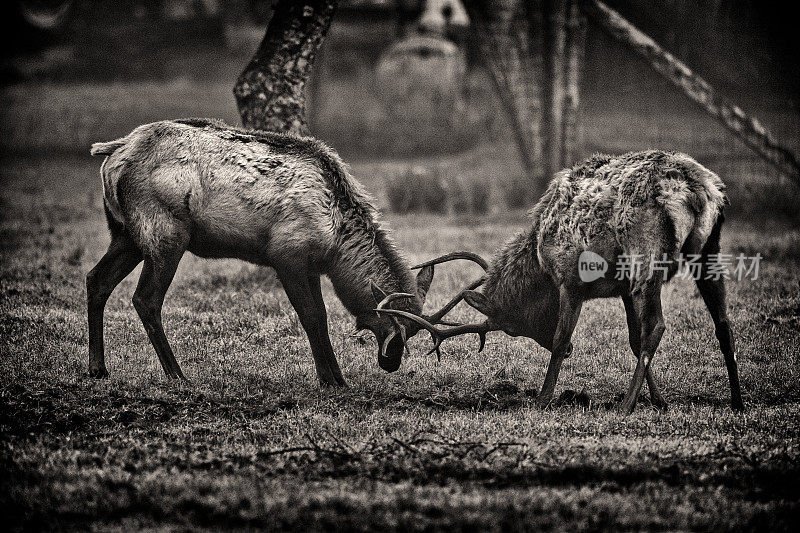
pixel 424 279
pixel 479 301
pixel 377 293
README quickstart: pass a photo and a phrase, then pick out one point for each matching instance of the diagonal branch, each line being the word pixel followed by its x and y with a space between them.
pixel 747 128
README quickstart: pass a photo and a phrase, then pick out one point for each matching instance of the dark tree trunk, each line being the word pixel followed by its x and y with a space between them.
pixel 511 39
pixel 270 93
pixel 555 76
pixel 533 50
pixel 572 140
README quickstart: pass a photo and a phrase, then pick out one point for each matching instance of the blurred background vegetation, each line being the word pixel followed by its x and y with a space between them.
pixel 417 117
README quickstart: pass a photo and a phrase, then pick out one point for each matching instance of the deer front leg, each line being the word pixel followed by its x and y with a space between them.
pixel 647 304
pixel 569 309
pixel 305 294
pixel 635 340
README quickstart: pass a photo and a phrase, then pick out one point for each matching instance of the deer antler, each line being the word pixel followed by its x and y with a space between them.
pixel 436 318
pixel 439 335
pixel 475 258
pixel 392 297
pixel 401 329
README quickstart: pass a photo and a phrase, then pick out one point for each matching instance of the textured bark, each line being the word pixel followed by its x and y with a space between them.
pixel 511 39
pixel 572 140
pixel 556 72
pixel 534 51
pixel 750 130
pixel 270 92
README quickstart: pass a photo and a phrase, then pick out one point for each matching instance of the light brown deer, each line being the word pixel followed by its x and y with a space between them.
pixel 272 199
pixel 643 204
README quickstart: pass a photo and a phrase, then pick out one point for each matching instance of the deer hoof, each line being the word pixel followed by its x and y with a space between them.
pixel 569 351
pixel 543 402
pixel 625 409
pixel 98 373
pixel 661 405
pixel 333 383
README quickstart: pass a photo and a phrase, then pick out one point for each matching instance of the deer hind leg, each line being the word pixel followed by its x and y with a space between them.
pixel 120 259
pixel 305 295
pixel 569 310
pixel 647 305
pixel 713 293
pixel 635 340
pixel 160 264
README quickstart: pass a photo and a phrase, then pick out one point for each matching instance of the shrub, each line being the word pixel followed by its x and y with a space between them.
pixel 422 189
pixel 418 189
pixel 517 192
pixel 469 195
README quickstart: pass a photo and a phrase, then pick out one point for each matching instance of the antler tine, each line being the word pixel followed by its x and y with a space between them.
pixel 436 318
pixel 392 297
pixel 436 334
pixel 439 335
pixel 398 326
pixel 401 330
pixel 453 256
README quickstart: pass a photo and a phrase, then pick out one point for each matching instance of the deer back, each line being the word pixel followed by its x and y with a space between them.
pixel 639 204
pixel 643 203
pixel 240 194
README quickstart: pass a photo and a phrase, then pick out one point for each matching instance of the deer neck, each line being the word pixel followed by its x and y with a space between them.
pixel 366 255
pixel 519 285
pixel 512 272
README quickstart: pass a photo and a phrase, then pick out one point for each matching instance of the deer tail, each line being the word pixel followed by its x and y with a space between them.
pixel 694 198
pixel 112 206
pixel 108 148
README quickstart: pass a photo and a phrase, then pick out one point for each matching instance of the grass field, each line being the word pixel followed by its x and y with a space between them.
pixel 253 442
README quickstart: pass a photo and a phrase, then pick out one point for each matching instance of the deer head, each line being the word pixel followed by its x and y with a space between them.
pixel 392 333
pixel 405 321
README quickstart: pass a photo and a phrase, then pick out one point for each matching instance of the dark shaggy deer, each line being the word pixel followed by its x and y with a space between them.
pixel 272 199
pixel 643 204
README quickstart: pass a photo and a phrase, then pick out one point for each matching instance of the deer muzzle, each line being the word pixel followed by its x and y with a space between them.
pixel 390 353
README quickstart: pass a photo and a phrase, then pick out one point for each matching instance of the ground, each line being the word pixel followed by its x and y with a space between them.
pixel 252 441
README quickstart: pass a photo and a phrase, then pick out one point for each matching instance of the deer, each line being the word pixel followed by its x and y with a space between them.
pixel 273 199
pixel 649 204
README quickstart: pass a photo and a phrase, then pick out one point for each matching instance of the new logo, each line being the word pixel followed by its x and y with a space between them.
pixel 591 266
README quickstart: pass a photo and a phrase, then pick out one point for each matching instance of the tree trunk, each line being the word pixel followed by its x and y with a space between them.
pixel 555 75
pixel 534 50
pixel 572 139
pixel 270 92
pixel 511 39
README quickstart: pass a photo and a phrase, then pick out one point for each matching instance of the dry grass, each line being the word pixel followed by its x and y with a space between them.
pixel 253 441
